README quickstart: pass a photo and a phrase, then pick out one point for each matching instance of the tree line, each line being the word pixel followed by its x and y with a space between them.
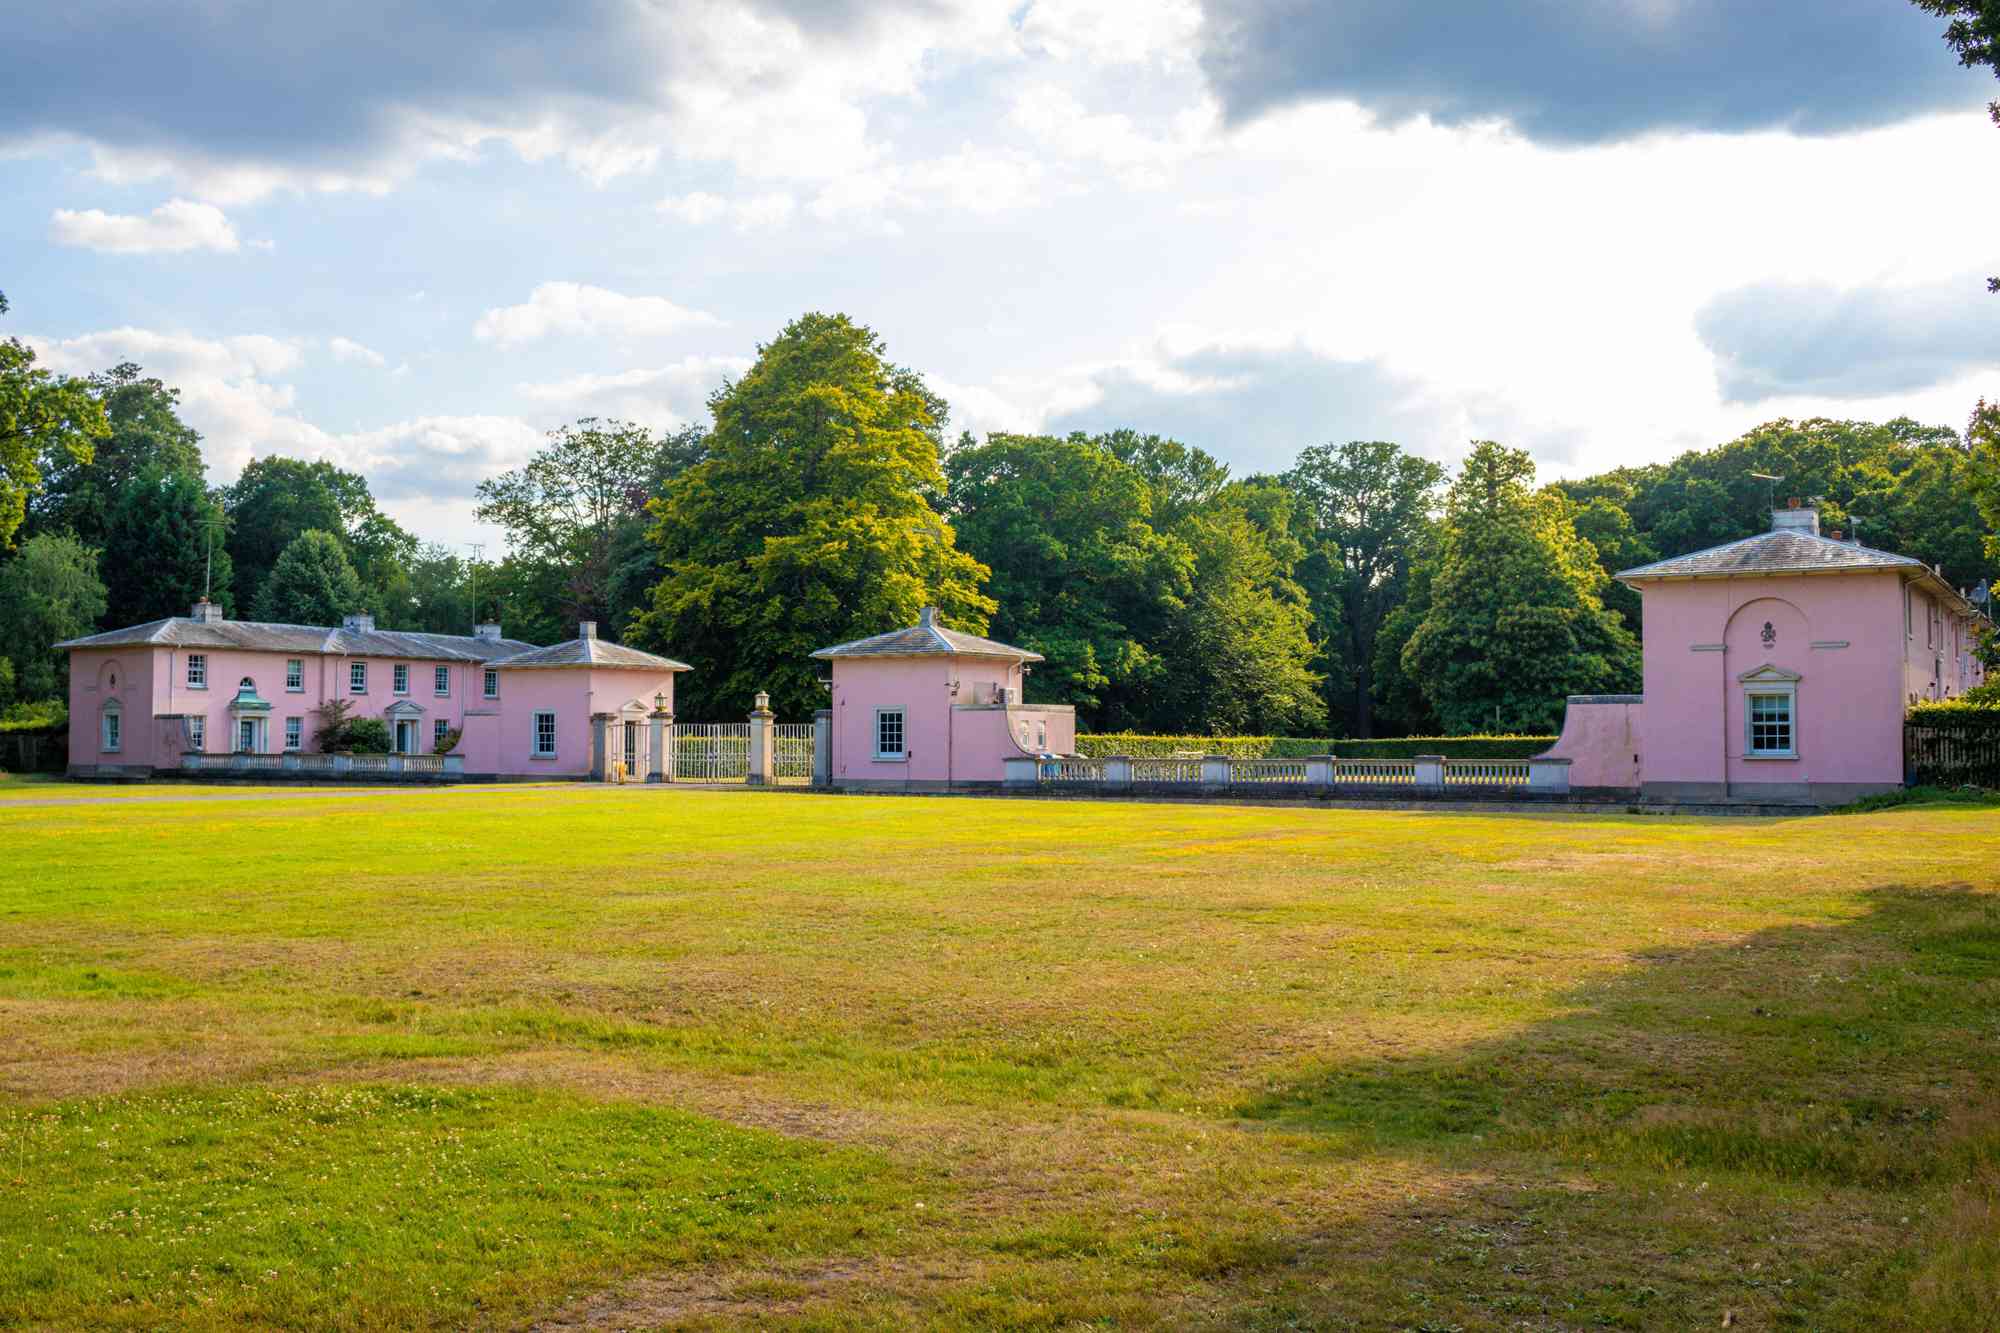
pixel 1363 591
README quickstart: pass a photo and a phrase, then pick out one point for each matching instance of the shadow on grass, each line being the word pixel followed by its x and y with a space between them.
pixel 1785 1068
pixel 1832 1054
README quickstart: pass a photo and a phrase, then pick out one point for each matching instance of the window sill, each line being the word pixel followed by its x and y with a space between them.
pixel 295 689
pixel 1770 758
pixel 202 688
pixel 543 758
pixel 891 759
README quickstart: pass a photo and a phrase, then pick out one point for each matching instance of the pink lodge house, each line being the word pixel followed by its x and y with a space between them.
pixel 166 695
pixel 929 708
pixel 1777 669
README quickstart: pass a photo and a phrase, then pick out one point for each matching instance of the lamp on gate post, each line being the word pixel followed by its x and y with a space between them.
pixel 660 702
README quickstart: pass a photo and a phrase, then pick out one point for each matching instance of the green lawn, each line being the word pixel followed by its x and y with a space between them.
pixel 644 1058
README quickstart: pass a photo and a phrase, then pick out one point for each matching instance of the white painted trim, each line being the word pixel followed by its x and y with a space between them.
pixel 1707 647
pixel 1829 644
pixel 901 756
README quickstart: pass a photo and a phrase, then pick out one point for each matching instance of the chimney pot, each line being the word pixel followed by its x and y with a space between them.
pixel 1792 503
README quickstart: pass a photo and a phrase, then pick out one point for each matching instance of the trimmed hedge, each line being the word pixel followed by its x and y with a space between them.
pixel 35 716
pixel 1097 745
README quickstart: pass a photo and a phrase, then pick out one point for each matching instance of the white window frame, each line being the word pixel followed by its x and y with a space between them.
pixel 490 685
pixel 1755 690
pixel 399 678
pixel 198 733
pixel 536 749
pixel 237 739
pixel 439 730
pixel 295 734
pixel 357 678
pixel 295 675
pixel 197 671
pixel 111 730
pixel 441 682
pixel 902 752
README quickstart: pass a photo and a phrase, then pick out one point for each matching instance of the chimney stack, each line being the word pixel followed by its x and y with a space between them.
pixel 206 612
pixel 487 633
pixel 586 629
pixel 361 622
pixel 927 618
pixel 1795 519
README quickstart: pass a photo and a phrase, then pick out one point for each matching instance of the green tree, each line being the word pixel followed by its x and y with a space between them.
pixel 164 529
pixel 1079 573
pixel 1371 505
pixel 271 503
pixel 809 523
pixel 43 416
pixel 577 513
pixel 1238 651
pixel 313 583
pixel 1401 706
pixel 48 592
pixel 1982 436
pixel 1515 622
pixel 144 431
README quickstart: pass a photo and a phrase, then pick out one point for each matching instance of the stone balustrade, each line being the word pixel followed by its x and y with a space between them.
pixel 1312 775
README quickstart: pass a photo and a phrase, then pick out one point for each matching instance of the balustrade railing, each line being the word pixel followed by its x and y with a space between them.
pixel 423 767
pixel 1325 774
pixel 1485 772
pixel 1166 770
pixel 1375 772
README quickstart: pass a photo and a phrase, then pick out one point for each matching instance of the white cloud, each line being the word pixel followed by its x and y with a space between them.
pixel 695 208
pixel 1113 32
pixel 1064 126
pixel 175 227
pixel 578 308
pixel 661 397
pixel 347 350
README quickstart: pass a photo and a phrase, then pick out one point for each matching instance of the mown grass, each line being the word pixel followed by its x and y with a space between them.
pixel 728 1057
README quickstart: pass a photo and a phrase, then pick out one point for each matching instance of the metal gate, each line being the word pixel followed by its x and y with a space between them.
pixel 710 751
pixel 792 752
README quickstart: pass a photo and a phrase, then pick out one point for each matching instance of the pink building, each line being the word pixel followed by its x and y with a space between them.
pixel 143 698
pixel 928 708
pixel 1778 669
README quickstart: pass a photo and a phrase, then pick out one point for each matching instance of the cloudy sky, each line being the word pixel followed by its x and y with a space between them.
pixel 411 237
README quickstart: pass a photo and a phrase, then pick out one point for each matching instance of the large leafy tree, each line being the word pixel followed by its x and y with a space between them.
pixel 1079 573
pixel 165 530
pixel 48 592
pixel 313 583
pixel 43 416
pixel 1238 651
pixel 144 430
pixel 1370 506
pixel 1515 622
pixel 575 515
pixel 1983 440
pixel 810 522
pixel 270 505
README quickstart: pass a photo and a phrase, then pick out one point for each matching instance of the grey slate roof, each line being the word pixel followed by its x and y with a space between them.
pixel 590 652
pixel 1782 552
pixel 927 638
pixel 264 636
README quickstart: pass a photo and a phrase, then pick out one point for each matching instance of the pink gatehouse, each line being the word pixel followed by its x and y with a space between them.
pixel 1777 670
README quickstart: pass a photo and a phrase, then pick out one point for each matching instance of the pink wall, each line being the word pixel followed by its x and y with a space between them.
pixel 573 694
pixel 499 734
pixel 1604 738
pixel 949 738
pixel 1842 635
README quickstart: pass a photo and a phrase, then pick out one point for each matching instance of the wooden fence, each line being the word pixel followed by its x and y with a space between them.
pixel 1947 751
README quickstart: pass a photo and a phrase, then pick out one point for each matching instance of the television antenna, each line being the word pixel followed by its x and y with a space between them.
pixel 472 581
pixel 1765 476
